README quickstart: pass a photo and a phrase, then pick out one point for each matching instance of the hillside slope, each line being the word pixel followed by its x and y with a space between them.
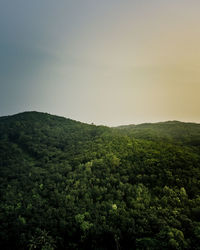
pixel 69 185
pixel 174 131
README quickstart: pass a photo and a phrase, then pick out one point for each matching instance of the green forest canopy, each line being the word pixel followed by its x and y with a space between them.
pixel 69 185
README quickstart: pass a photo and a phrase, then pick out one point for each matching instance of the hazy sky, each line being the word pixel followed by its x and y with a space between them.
pixel 109 62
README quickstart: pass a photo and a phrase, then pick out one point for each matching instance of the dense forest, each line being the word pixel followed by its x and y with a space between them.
pixel 69 185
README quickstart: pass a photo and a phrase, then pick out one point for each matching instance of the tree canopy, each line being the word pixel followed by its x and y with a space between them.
pixel 69 185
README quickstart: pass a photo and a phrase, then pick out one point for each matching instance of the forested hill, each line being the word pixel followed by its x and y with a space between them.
pixel 69 185
pixel 178 132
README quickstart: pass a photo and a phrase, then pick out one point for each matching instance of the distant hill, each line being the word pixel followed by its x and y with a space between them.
pixel 70 185
pixel 187 133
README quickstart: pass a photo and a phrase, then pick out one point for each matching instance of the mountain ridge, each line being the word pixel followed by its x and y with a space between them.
pixel 27 113
pixel 70 185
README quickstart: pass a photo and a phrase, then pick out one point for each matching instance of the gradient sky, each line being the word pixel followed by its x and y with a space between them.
pixel 108 62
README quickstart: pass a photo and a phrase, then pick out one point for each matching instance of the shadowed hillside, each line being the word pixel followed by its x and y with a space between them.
pixel 69 185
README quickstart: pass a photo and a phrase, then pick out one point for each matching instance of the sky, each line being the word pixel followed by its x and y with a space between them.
pixel 109 62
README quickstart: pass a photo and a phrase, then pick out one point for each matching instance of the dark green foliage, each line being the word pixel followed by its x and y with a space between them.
pixel 69 185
